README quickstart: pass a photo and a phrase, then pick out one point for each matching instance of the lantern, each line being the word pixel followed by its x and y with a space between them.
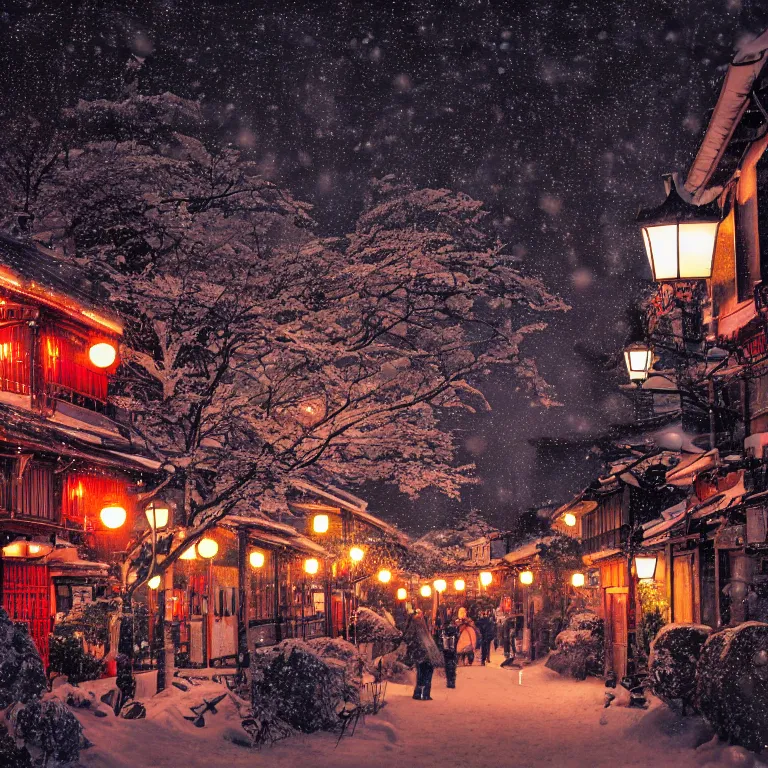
pixel 356 554
pixel 569 519
pixel 638 358
pixel 113 516
pixel 459 585
pixel 207 548
pixel 102 355
pixel 402 593
pixel 486 578
pixel 680 238
pixel 311 566
pixel 320 523
pixel 384 576
pixel 256 559
pixel 526 577
pixel 154 582
pixel 16 549
pixel 188 554
pixel 440 585
pixel 645 567
pixel 577 580
pixel 426 591
pixel 157 515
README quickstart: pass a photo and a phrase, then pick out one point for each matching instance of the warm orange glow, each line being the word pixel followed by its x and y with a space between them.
pixel 188 554
pixel 102 355
pixel 486 578
pixel 113 517
pixel 578 580
pixel 311 566
pixel 385 576
pixel 356 554
pixel 157 515
pixel 426 591
pixel 440 585
pixel 207 548
pixel 645 567
pixel 256 559
pixel 402 593
pixel 526 577
pixel 14 550
pixel 320 523
pixel 569 519
pixel 459 585
pixel 154 582
pixel 34 549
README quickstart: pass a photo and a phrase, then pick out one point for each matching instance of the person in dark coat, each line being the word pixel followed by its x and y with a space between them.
pixel 486 625
pixel 508 641
pixel 447 640
pixel 423 653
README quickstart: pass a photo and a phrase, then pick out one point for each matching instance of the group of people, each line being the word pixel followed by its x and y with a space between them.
pixel 454 641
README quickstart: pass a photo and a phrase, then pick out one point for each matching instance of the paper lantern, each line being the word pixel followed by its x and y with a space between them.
pixel 486 577
pixel 426 591
pixel 439 585
pixel 113 516
pixel 16 549
pixel 207 548
pixel 569 519
pixel 526 577
pixel 102 355
pixel 320 523
pixel 577 580
pixel 311 566
pixel 154 582
pixel 356 554
pixel 256 559
pixel 459 585
pixel 402 593
pixel 385 576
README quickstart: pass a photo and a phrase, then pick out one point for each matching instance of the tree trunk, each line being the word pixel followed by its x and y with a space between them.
pixel 166 656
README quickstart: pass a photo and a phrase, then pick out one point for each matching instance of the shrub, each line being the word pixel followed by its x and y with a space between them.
pixel 67 657
pixel 22 677
pixel 579 648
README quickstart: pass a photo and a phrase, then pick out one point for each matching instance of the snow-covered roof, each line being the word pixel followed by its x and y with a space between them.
pixel 31 271
pixel 685 472
pixel 526 551
pixel 653 530
pixel 274 533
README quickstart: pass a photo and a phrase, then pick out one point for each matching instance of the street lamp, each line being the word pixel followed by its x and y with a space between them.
pixel 426 591
pixel 320 523
pixel 356 554
pixel 577 580
pixel 207 548
pixel 569 519
pixel 311 566
pixel 486 577
pixel 154 582
pixel 113 516
pixel 459 585
pixel 256 559
pixel 157 515
pixel 402 593
pixel 638 358
pixel 440 585
pixel 526 577
pixel 645 567
pixel 680 238
pixel 384 576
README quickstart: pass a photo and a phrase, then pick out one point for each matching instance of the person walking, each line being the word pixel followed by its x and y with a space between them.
pixel 422 653
pixel 467 637
pixel 449 635
pixel 508 641
pixel 487 628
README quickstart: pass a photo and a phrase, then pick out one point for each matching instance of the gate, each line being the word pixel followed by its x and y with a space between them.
pixel 27 599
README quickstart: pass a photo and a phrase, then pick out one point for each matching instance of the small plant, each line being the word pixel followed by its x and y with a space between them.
pixel 67 657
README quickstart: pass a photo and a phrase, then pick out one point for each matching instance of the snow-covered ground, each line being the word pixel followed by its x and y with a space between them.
pixel 488 720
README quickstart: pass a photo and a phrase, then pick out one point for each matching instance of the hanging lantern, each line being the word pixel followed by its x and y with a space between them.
pixel 356 554
pixel 320 523
pixel 680 238
pixel 256 559
pixel 638 358
pixel 569 519
pixel 440 585
pixel 311 566
pixel 157 515
pixel 188 554
pixel 207 548
pixel 102 355
pixel 385 576
pixel 577 580
pixel 113 516
pixel 154 582
pixel 402 593
pixel 645 567
pixel 16 549
pixel 426 591
pixel 486 578
pixel 459 585
pixel 526 577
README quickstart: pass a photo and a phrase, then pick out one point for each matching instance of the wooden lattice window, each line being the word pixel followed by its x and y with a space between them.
pixel 15 359
pixel 67 371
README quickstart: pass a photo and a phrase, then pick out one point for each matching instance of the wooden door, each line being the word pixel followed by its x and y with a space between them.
pixel 682 589
pixel 224 632
pixel 617 607
pixel 27 599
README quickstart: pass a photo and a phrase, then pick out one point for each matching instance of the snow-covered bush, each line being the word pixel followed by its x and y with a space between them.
pixel 732 684
pixel 11 755
pixel 22 677
pixel 51 727
pixel 675 652
pixel 67 657
pixel 294 683
pixel 579 648
pixel 372 628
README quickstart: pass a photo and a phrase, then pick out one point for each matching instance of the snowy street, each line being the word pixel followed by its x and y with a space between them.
pixel 489 720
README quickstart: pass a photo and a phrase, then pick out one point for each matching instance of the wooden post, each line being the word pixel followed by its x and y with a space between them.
pixel 209 615
pixel 243 594
pixel 166 654
pixel 278 618
pixel 671 582
pixel 328 600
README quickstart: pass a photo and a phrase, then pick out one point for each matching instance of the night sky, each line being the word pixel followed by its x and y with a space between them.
pixel 561 116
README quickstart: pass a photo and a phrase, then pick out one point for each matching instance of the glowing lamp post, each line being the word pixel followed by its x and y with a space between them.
pixel 154 582
pixel 645 567
pixel 311 566
pixel 638 358
pixel 578 580
pixel 680 238
pixel 486 578
pixel 402 593
pixel 440 585
pixel 426 591
pixel 526 577
pixel 320 523
pixel 157 515
pixel 459 585
pixel 207 548
pixel 356 554
pixel 113 516
pixel 102 355
pixel 384 576
pixel 256 559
